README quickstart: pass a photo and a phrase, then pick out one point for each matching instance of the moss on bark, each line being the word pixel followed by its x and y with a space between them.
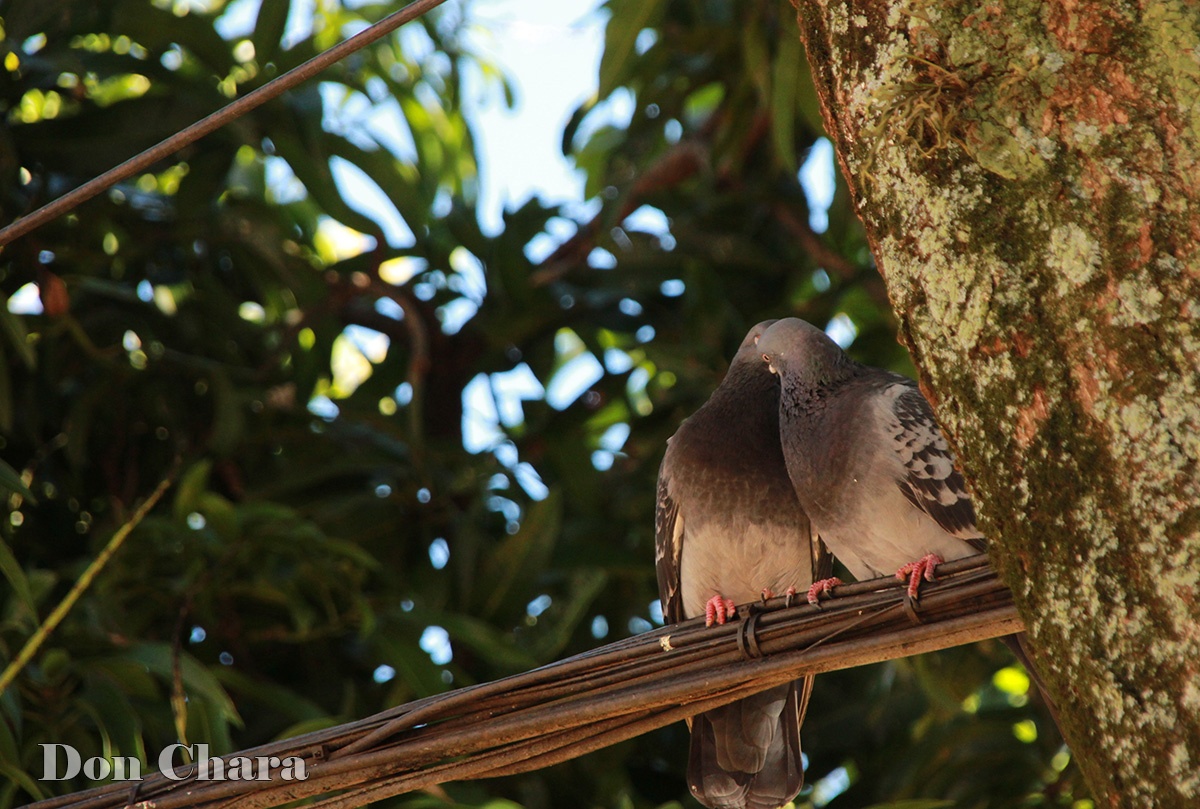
pixel 1029 175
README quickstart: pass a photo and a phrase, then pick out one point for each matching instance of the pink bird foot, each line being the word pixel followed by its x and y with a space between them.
pixel 923 568
pixel 718 610
pixel 823 586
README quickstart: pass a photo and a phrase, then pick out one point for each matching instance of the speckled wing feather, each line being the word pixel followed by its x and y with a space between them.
pixel 668 548
pixel 932 482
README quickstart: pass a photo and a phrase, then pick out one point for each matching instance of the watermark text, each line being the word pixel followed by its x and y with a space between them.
pixel 62 762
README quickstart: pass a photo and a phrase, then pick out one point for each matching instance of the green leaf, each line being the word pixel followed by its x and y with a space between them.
pixel 82 415
pixel 10 480
pixel 629 18
pixel 493 643
pixel 192 484
pixel 594 155
pixel 413 667
pixel 305 147
pixel 6 398
pixel 520 557
pixel 12 571
pixel 399 181
pixel 114 713
pixel 807 101
pixel 758 61
pixel 269 28
pixel 221 514
pixel 10 771
pixel 13 327
pixel 23 20
pixel 133 676
pixel 307 726
pixel 229 418
pixel 702 102
pixel 788 74
pixel 209 724
pixel 11 716
pixel 157 28
pixel 586 585
pixel 284 701
pixel 197 679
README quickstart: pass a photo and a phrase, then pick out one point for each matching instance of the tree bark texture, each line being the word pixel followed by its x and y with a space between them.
pixel 1029 177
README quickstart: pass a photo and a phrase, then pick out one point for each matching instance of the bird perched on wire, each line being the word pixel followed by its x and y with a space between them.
pixel 729 529
pixel 870 466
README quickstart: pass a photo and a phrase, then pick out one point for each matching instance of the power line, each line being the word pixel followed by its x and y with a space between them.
pixel 595 699
pixel 230 112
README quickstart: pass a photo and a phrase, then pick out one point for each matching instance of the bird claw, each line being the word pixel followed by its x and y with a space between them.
pixel 718 610
pixel 823 586
pixel 923 568
pixel 788 595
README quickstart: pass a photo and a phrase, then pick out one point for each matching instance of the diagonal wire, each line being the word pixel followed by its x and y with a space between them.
pixel 210 123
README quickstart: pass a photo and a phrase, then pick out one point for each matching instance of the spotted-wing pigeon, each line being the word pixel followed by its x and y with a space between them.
pixel 870 466
pixel 729 528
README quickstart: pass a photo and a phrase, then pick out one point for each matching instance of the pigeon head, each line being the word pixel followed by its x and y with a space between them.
pixel 798 350
pixel 748 351
pixel 746 367
pixel 747 371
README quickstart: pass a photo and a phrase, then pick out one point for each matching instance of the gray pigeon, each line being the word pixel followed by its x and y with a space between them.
pixel 870 466
pixel 728 530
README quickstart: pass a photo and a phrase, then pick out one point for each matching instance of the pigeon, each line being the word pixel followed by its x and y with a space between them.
pixel 729 530
pixel 870 467
pixel 869 464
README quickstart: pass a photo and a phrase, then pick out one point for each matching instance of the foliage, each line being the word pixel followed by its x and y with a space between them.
pixel 240 316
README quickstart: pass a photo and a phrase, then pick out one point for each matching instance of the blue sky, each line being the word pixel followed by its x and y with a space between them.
pixel 551 48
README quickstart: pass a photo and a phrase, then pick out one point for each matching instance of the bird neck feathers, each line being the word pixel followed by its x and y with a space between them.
pixel 810 388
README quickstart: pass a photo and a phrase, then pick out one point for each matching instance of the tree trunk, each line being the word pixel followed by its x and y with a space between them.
pixel 1029 175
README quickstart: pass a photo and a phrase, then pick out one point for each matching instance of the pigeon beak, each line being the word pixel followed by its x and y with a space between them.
pixel 770 365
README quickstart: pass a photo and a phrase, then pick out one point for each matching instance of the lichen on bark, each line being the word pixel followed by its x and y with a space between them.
pixel 1029 177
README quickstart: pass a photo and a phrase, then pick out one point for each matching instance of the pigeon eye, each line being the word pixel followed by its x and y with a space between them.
pixel 766 358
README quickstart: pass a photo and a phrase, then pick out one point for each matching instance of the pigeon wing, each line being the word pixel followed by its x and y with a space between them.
pixel 668 547
pixel 931 480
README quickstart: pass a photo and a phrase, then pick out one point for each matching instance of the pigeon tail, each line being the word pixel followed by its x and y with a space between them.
pixel 746 755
